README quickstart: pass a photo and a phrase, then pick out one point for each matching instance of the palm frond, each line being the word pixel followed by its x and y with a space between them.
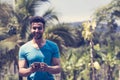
pixel 50 15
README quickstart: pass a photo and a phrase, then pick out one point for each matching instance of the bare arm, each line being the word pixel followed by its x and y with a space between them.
pixel 23 71
pixel 56 68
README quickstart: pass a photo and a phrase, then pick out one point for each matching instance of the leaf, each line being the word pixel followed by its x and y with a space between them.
pixel 97 47
pixel 89 27
pixel 96 65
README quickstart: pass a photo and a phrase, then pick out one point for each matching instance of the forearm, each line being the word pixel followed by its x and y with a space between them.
pixel 54 69
pixel 25 71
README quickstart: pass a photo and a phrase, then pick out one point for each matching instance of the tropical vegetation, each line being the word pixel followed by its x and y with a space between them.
pixel 89 51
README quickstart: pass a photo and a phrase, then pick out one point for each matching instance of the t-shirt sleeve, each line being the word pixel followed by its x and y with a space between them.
pixel 56 52
pixel 21 54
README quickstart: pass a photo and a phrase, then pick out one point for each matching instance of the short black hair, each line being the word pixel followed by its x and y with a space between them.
pixel 37 19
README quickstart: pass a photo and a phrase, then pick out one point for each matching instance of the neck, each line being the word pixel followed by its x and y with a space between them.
pixel 38 40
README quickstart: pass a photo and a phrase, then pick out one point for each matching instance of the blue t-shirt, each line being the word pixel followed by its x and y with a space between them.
pixel 44 54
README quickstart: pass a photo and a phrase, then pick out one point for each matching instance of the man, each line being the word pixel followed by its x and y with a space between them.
pixel 39 58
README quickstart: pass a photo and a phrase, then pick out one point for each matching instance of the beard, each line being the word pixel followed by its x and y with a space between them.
pixel 37 36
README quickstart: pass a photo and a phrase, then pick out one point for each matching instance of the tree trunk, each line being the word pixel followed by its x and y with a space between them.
pixel 74 74
pixel 109 73
pixel 92 60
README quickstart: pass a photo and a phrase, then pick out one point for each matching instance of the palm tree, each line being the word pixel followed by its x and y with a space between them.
pixel 8 55
pixel 23 10
pixel 50 16
pixel 5 14
pixel 64 35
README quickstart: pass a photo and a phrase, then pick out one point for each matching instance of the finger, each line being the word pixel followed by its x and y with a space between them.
pixel 32 66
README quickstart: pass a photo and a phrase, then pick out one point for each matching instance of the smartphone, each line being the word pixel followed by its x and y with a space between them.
pixel 37 64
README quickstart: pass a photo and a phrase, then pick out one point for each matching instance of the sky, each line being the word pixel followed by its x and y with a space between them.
pixel 75 10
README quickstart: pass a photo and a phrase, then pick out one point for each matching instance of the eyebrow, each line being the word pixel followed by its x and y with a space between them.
pixel 39 28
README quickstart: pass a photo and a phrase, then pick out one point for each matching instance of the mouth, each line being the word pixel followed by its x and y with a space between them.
pixel 37 36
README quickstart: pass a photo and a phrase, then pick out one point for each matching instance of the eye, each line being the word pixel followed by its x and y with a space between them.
pixel 34 28
pixel 39 28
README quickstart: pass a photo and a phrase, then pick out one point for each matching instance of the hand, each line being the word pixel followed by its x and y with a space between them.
pixel 35 66
pixel 43 66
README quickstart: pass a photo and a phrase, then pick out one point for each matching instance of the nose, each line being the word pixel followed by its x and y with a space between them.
pixel 36 30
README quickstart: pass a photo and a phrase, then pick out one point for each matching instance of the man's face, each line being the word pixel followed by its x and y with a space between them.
pixel 37 30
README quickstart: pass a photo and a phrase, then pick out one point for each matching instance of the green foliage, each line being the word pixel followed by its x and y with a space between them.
pixel 108 12
pixel 11 77
pixel 75 64
pixel 5 14
pixel 75 60
pixel 50 17
pixel 8 54
pixel 88 30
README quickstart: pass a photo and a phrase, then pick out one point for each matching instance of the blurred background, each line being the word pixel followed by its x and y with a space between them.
pixel 87 33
